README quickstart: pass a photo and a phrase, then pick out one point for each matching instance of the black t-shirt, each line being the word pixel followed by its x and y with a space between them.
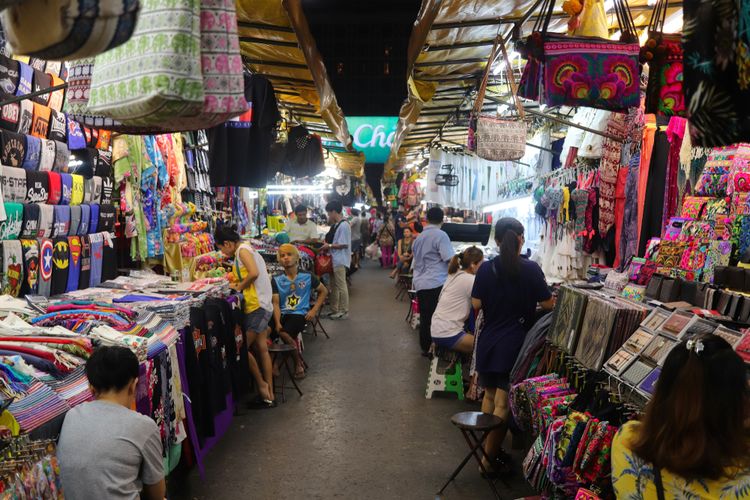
pixel 37 187
pixel 58 128
pixel 85 274
pixel 60 265
pixel 14 149
pixel 107 214
pixel 240 148
pixel 109 261
pixel 41 81
pixel 9 75
pixel 30 227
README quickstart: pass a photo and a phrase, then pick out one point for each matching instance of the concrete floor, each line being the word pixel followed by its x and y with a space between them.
pixel 363 429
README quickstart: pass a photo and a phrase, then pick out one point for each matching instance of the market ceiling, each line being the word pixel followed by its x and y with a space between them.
pixel 446 58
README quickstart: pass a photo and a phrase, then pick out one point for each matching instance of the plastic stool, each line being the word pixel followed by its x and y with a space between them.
pixel 449 379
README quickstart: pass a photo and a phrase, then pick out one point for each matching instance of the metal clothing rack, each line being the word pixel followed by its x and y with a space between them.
pixel 36 93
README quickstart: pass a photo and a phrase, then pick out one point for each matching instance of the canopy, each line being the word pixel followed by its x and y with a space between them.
pixel 448 51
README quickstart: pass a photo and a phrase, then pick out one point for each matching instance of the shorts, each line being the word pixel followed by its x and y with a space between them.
pixel 293 324
pixel 257 321
pixel 448 342
pixel 495 379
pixel 356 245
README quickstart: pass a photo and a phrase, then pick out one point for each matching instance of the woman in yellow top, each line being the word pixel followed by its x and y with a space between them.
pixel 693 441
pixel 255 285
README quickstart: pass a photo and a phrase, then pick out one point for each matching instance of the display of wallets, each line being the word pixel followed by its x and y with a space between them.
pixel 619 362
pixel 638 341
pixel 698 327
pixel 596 330
pixel 636 372
pixel 568 315
pixel 658 349
pixel 676 323
pixel 731 336
pixel 648 384
pixel 657 318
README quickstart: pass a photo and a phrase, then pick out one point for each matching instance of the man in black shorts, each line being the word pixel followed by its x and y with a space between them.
pixel 292 300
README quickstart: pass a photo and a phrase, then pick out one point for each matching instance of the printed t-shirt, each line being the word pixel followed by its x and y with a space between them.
pixel 83 227
pixel 37 187
pixel 259 294
pixel 74 269
pixel 9 75
pixel 27 117
pixel 107 215
pixel 295 297
pixel 33 153
pixel 14 149
pixel 46 220
pixel 66 181
pixel 60 265
pixel 58 130
pixel 85 275
pixel 509 306
pixel 47 158
pixel 88 190
pixel 109 258
pixel 30 221
pixel 62 221
pixel 12 267
pixel 46 250
pixel 125 444
pixel 75 135
pixel 26 73
pixel 75 219
pixel 62 156
pixel 76 197
pixel 631 475
pixel 41 81
pixel 10 116
pixel 97 255
pixel 55 188
pixel 30 284
pixel 14 183
pixel 454 305
pixel 40 123
pixel 57 97
pixel 10 228
pixel 108 186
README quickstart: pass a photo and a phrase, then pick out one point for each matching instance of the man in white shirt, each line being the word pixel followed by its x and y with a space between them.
pixel 302 230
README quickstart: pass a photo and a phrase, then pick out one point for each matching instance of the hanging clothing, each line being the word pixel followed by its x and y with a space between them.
pixel 651 218
pixel 647 147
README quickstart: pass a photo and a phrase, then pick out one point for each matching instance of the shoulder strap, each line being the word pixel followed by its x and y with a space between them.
pixel 479 101
pixel 659 483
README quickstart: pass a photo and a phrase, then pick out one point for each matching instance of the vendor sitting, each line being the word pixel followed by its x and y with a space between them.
pixel 292 297
pixel 302 230
pixel 106 450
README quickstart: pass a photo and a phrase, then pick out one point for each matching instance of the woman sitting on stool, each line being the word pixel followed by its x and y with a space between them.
pixel 292 296
pixel 454 305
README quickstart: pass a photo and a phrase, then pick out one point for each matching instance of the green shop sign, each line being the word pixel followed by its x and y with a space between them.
pixel 373 135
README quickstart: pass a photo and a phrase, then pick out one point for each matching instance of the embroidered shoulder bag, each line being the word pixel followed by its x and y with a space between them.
pixel 663 54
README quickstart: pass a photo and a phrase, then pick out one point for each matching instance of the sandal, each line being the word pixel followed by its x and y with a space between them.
pixel 300 375
pixel 261 404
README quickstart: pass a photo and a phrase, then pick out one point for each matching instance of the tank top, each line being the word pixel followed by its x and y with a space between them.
pixel 258 295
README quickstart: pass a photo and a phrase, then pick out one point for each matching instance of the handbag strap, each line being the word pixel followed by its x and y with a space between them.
pixel 659 483
pixel 479 102
pixel 512 82
pixel 625 20
pixel 658 16
pixel 542 22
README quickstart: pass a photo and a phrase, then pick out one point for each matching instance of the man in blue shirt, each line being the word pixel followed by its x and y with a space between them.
pixel 339 243
pixel 432 251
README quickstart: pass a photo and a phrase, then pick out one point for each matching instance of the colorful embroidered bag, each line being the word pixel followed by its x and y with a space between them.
pixel 663 54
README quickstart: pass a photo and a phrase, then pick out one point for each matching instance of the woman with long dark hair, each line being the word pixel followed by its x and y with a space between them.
pixel 694 440
pixel 454 305
pixel 507 289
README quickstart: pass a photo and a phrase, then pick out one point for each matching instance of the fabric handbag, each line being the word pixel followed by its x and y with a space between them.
pixel 616 281
pixel 500 139
pixel 68 30
pixel 587 71
pixel 634 292
pixel 653 289
pixel 663 54
pixel 714 179
pixel 156 75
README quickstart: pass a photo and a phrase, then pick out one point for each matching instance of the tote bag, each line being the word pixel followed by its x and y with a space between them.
pixel 156 75
pixel 62 30
pixel 500 139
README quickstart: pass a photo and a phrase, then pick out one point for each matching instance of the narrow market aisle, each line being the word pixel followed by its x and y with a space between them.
pixel 363 429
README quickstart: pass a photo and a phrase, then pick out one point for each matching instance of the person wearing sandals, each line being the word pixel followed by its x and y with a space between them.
pixel 292 301
pixel 255 285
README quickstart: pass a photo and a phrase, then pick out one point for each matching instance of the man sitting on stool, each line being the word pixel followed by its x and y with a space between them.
pixel 292 296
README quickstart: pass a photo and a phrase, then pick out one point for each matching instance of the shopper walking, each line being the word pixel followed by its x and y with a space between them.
pixel 507 289
pixel 339 243
pixel 454 306
pixel 255 285
pixel 694 440
pixel 386 241
pixel 432 252
pixel 106 450
pixel 356 229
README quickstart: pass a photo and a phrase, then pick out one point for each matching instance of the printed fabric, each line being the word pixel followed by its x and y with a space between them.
pixel 609 169
pixel 580 72
pixel 30 283
pixel 12 268
pixel 664 93
pixel 157 73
